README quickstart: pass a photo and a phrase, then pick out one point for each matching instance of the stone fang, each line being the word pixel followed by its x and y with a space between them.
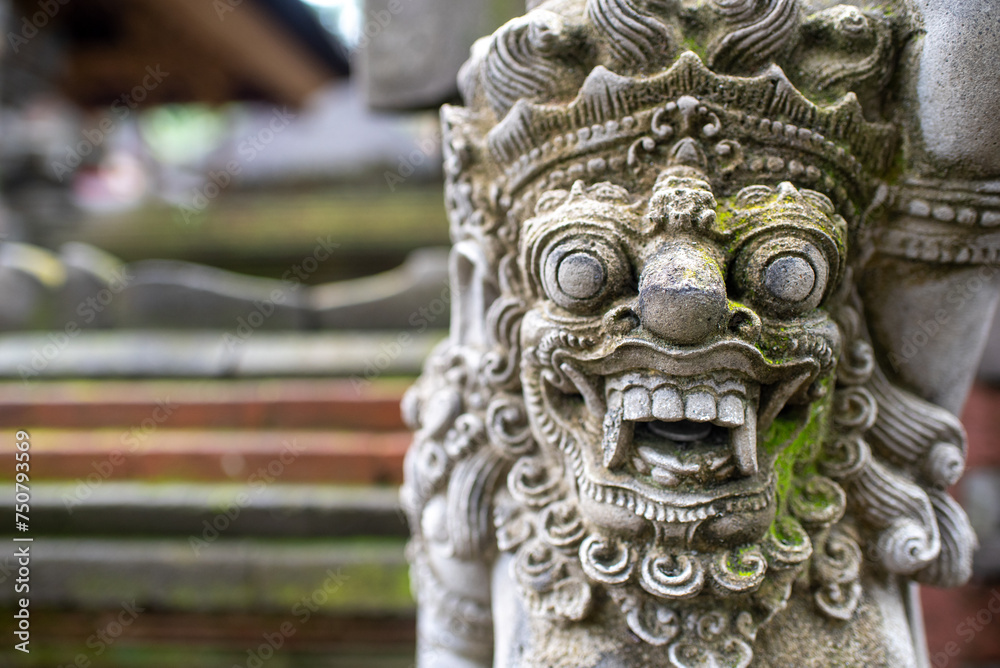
pixel 744 444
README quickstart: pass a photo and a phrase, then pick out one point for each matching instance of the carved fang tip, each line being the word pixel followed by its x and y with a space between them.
pixel 745 443
pixel 617 432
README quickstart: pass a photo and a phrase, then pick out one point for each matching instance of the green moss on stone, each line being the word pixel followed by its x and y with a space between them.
pixel 797 444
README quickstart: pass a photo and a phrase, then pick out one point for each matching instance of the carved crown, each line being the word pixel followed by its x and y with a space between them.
pixel 575 89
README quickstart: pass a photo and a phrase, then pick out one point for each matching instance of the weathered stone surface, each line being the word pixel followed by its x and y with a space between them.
pixel 694 241
pixel 410 50
pixel 958 88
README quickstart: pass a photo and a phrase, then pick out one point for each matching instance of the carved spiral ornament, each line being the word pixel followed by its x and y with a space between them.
pixel 672 576
pixel 608 561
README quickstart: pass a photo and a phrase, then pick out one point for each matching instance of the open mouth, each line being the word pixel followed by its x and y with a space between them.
pixel 677 430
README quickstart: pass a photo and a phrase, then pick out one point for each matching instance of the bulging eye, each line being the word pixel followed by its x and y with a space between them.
pixel 786 276
pixel 789 278
pixel 580 273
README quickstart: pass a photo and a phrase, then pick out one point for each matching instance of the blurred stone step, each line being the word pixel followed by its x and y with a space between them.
pixel 154 453
pixel 204 510
pixel 271 403
pixel 279 229
pixel 85 288
pixel 170 640
pixel 359 356
pixel 294 578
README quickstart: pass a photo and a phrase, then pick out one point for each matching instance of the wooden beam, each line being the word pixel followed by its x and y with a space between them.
pixel 249 43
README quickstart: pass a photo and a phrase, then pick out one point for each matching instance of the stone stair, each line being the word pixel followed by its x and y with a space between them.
pixel 246 523
pixel 171 495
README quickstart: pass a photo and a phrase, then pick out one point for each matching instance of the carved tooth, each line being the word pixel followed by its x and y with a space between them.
pixel 667 404
pixel 661 514
pixel 664 477
pixel 718 461
pixel 744 443
pixel 667 461
pixel 638 506
pixel 732 385
pixel 637 403
pixel 731 411
pixel 640 465
pixel 699 406
pixel 633 378
pixel 650 513
pixel 631 503
pixel 724 473
pixel 617 432
pixel 654 457
pixel 614 399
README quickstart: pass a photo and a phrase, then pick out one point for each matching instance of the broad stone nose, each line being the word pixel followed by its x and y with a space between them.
pixel 682 294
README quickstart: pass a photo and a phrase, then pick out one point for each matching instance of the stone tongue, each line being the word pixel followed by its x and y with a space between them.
pixel 617 432
pixel 744 443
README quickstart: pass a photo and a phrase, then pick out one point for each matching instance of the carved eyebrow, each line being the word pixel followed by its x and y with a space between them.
pixel 735 221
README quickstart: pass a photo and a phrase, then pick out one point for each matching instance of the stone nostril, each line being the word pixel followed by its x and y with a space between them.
pixel 621 320
pixel 744 323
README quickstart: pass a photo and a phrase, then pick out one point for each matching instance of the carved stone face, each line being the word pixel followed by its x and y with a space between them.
pixel 661 413
pixel 666 336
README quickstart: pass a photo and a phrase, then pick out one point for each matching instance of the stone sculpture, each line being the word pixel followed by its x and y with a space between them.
pixel 674 423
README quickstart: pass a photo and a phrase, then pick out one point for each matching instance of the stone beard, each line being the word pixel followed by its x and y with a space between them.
pixel 659 433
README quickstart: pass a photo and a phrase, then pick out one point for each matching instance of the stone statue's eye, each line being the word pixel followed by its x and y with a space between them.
pixel 789 278
pixel 784 276
pixel 579 273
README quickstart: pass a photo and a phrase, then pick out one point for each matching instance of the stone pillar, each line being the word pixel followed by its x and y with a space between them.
pixel 410 50
pixel 674 423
